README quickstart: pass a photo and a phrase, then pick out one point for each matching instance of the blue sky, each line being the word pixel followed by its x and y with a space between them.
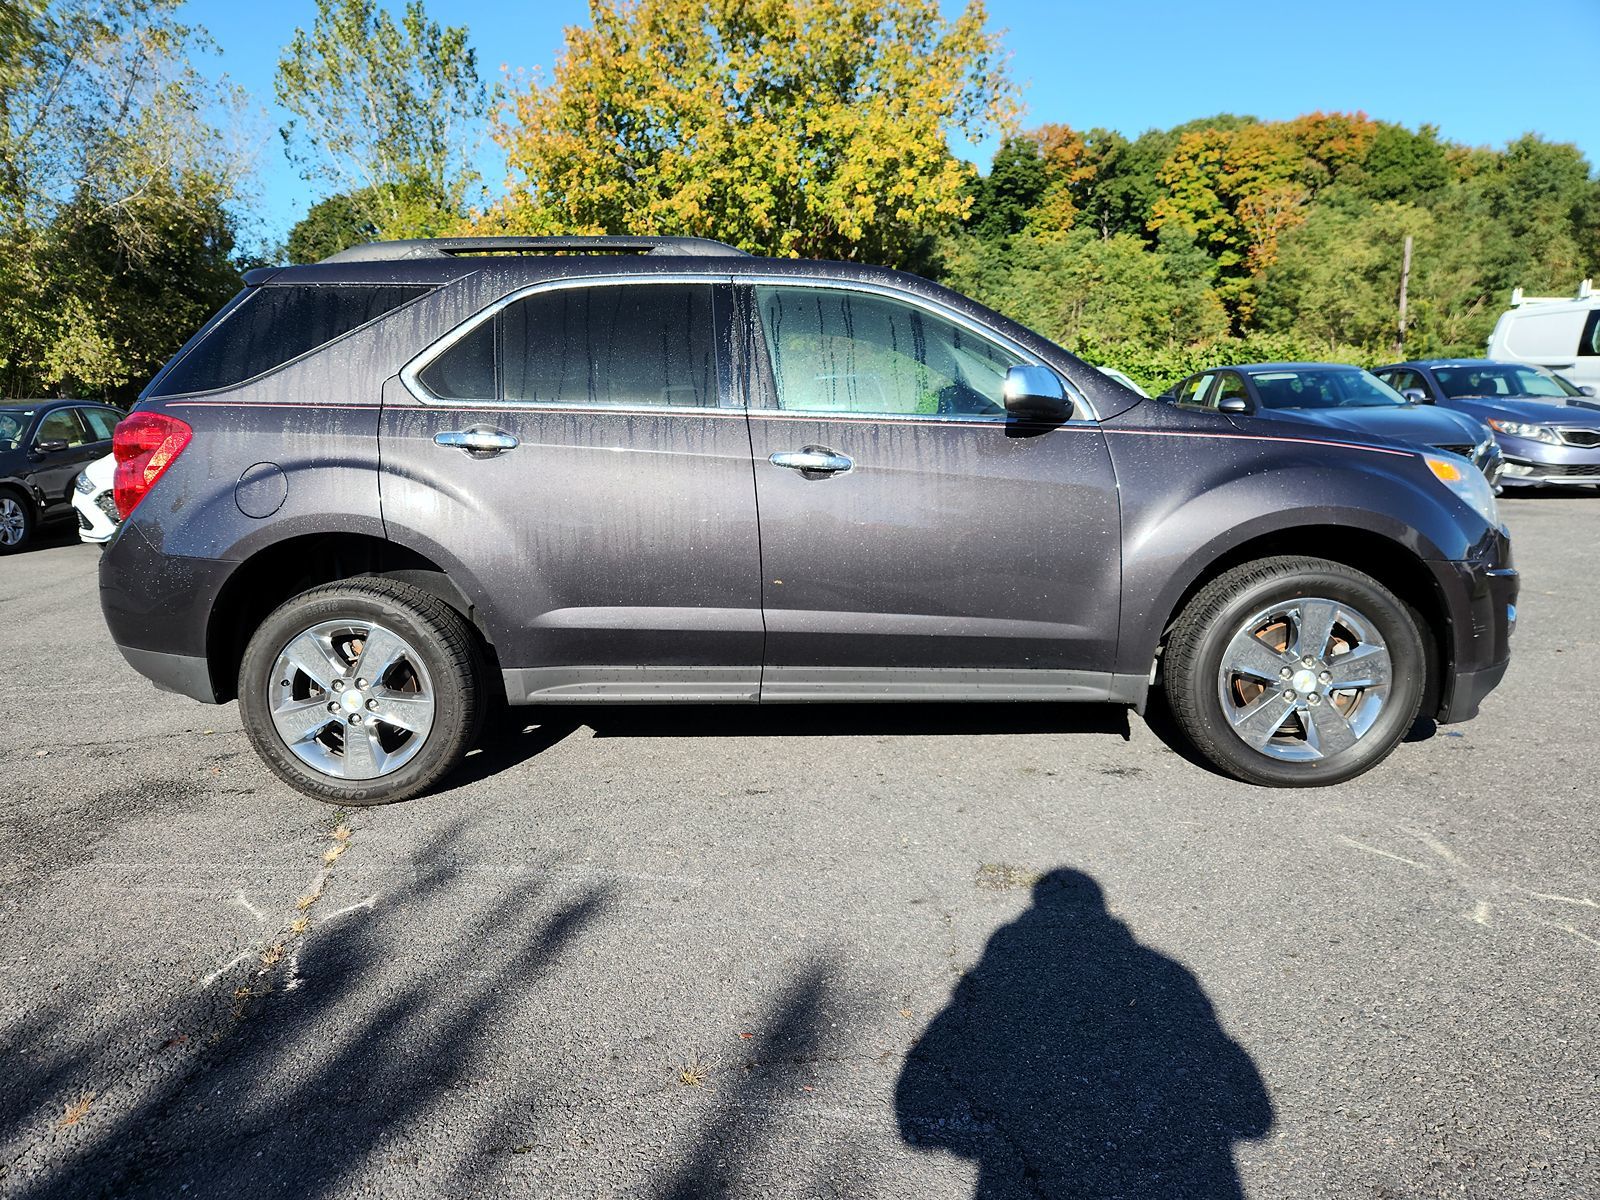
pixel 1484 71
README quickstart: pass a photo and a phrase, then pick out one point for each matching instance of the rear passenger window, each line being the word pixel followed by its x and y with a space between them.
pixel 624 345
pixel 102 422
pixel 273 325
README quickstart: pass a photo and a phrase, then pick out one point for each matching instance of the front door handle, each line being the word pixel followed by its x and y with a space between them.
pixel 813 460
pixel 480 442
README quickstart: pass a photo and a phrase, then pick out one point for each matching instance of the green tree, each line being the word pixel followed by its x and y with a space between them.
pixel 116 211
pixel 1003 199
pixel 387 113
pixel 817 128
pixel 331 225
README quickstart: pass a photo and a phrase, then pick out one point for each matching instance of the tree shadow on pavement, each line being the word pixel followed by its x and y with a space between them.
pixel 286 1081
pixel 1073 1061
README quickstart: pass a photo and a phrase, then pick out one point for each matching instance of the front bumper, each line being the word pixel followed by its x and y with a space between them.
pixel 1529 463
pixel 1481 602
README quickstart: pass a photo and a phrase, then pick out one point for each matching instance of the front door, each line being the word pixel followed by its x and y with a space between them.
pixel 63 444
pixel 915 541
pixel 580 457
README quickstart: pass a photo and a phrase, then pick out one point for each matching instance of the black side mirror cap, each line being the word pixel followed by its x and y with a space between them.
pixel 49 447
pixel 1036 393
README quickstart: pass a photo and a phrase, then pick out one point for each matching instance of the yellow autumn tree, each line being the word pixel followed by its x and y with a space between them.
pixel 787 127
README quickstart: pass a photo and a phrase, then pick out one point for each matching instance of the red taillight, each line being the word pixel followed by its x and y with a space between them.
pixel 144 445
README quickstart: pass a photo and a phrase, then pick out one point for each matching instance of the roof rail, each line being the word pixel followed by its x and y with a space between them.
pixel 450 247
pixel 1519 297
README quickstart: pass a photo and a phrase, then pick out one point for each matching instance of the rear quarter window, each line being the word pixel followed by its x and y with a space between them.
pixel 274 325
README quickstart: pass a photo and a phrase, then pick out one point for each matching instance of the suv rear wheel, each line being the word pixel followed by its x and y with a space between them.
pixel 1295 672
pixel 361 692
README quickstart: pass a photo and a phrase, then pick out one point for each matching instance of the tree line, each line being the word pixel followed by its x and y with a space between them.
pixel 787 127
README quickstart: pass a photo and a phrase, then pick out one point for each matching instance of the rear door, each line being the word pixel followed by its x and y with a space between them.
pixel 579 456
pixel 915 541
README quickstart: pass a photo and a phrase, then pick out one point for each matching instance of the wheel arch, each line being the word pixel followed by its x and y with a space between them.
pixel 286 568
pixel 1392 563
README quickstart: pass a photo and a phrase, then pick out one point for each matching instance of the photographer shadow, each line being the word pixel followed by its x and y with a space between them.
pixel 1074 1062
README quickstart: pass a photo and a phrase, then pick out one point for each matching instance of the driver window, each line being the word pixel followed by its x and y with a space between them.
pixel 1229 387
pixel 60 426
pixel 1192 394
pixel 838 351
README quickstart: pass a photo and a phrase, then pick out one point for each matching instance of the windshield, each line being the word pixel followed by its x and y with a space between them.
pixel 13 424
pixel 1499 379
pixel 1322 388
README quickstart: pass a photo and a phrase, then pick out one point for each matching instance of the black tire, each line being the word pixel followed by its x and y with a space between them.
pixel 439 635
pixel 1194 658
pixel 28 518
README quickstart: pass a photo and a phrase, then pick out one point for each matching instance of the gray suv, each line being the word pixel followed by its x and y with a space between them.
pixel 376 497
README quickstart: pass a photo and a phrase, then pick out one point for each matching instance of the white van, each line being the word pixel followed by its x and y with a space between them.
pixel 1559 332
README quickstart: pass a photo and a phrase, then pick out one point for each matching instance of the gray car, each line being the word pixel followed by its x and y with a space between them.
pixel 379 496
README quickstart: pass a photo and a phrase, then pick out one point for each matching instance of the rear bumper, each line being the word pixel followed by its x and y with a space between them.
pixel 173 672
pixel 158 609
pixel 1481 599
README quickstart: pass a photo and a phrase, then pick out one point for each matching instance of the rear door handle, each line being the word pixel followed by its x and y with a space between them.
pixel 813 460
pixel 480 443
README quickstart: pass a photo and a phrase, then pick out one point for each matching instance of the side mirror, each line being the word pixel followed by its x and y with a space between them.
pixel 1416 395
pixel 1233 404
pixel 1036 393
pixel 1588 389
pixel 52 446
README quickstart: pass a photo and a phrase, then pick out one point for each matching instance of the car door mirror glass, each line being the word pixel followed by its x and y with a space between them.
pixel 1036 392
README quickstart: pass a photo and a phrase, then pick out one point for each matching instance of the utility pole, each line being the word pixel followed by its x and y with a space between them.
pixel 1405 284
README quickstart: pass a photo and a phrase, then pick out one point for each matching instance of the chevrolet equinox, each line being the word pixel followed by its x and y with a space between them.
pixel 378 496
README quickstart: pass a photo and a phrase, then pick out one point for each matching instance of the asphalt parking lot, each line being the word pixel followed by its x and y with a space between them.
pixel 844 952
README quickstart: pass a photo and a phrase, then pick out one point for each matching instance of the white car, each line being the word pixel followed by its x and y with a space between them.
pixel 91 496
pixel 1561 333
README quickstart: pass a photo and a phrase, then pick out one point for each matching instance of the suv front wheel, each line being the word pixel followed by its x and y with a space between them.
pixel 1295 672
pixel 361 692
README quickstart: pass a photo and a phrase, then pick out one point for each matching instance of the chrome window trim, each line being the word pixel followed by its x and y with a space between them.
pixel 409 374
pixel 420 362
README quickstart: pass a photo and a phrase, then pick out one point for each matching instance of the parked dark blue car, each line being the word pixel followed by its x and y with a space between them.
pixel 1341 399
pixel 1548 429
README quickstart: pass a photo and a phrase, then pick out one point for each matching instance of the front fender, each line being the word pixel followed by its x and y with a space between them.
pixel 1192 499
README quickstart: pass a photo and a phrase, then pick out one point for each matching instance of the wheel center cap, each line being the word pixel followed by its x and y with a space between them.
pixel 1304 681
pixel 352 699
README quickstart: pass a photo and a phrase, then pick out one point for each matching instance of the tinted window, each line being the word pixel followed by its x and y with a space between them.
pixel 1352 388
pixel 628 345
pixel 102 422
pixel 645 344
pixel 1192 391
pixel 1590 343
pixel 61 426
pixel 1229 387
pixel 273 325
pixel 1497 379
pixel 466 371
pixel 849 352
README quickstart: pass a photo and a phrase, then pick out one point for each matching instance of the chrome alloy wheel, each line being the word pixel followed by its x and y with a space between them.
pixel 1304 679
pixel 351 699
pixel 13 522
